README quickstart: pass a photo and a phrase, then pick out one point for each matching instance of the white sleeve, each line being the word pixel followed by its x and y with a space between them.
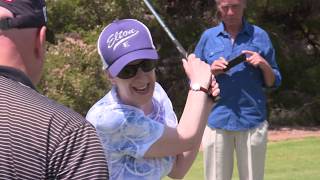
pixel 161 96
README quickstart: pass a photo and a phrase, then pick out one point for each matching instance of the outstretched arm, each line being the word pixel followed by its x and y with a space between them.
pixel 189 131
pixel 183 163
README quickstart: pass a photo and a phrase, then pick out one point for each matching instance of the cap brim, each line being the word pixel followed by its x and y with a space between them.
pixel 117 66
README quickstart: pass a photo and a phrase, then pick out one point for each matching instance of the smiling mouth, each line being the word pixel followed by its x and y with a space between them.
pixel 141 89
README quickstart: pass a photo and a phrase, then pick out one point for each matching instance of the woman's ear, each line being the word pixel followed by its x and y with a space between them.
pixel 109 76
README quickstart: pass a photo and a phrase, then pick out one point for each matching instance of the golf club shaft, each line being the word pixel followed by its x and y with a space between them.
pixel 167 30
pixel 178 45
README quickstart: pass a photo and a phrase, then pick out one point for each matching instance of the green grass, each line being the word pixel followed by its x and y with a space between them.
pixel 286 160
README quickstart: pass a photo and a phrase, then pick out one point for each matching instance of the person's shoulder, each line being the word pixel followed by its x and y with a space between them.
pixel 61 114
pixel 160 94
pixel 54 129
pixel 159 91
pixel 214 30
pixel 259 31
pixel 210 31
pixel 41 109
pixel 110 115
pixel 33 101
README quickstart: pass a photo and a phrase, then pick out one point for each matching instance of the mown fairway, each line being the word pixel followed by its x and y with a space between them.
pixel 286 160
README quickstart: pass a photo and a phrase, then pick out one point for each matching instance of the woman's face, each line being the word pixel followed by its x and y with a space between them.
pixel 137 90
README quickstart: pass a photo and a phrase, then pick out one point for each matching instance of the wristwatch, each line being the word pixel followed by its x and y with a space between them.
pixel 198 87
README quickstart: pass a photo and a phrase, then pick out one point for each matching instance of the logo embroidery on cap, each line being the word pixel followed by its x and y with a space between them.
pixel 114 40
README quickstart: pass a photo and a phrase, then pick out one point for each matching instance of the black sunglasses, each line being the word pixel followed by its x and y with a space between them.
pixel 130 71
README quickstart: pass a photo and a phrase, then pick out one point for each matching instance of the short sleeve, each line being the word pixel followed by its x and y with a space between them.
pixel 124 130
pixel 78 154
pixel 161 96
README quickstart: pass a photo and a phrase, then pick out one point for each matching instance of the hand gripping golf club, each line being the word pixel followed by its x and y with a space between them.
pixel 178 45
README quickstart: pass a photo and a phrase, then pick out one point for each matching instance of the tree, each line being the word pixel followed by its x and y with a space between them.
pixel 293 25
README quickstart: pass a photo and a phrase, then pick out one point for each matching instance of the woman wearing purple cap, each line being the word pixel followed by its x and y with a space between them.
pixel 135 119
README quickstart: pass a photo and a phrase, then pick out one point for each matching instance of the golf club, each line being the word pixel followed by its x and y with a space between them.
pixel 178 45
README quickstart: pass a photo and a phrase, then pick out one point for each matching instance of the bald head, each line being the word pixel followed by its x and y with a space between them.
pixel 22 49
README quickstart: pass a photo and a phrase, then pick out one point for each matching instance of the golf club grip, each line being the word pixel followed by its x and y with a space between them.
pixel 178 45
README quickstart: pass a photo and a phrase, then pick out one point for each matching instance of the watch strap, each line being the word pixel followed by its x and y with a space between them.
pixel 204 90
pixel 197 87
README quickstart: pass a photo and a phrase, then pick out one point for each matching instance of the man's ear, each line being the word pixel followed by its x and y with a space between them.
pixel 218 14
pixel 40 46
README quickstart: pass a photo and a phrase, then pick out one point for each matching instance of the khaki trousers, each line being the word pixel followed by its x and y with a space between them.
pixel 250 149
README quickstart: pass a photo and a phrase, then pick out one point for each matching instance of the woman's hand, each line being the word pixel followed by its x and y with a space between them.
pixel 197 71
pixel 214 88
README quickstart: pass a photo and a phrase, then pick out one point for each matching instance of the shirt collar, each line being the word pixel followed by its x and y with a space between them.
pixel 246 29
pixel 16 75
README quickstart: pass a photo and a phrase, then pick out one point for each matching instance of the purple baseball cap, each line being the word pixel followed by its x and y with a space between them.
pixel 124 41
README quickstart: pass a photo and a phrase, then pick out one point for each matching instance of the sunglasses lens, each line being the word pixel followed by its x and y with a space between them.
pixel 130 71
pixel 148 65
pixel 127 72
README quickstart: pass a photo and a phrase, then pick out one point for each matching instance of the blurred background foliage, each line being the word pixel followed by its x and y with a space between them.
pixel 73 74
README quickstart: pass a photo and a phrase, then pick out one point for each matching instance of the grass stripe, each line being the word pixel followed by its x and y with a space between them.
pixel 286 160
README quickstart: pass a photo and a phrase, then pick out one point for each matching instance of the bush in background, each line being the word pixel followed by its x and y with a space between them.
pixel 73 71
pixel 73 74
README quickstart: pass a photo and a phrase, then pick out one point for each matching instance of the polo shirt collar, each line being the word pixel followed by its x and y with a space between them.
pixel 16 75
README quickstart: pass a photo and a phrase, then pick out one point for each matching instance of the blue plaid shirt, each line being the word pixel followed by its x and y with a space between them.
pixel 243 102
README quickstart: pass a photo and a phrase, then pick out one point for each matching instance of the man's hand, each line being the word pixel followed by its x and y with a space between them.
pixel 218 65
pixel 255 59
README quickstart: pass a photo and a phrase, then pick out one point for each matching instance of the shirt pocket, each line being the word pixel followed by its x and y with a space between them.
pixel 254 48
pixel 213 54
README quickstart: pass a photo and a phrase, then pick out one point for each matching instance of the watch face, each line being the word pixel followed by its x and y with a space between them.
pixel 195 87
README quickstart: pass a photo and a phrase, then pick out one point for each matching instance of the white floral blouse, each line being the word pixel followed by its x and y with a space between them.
pixel 126 134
